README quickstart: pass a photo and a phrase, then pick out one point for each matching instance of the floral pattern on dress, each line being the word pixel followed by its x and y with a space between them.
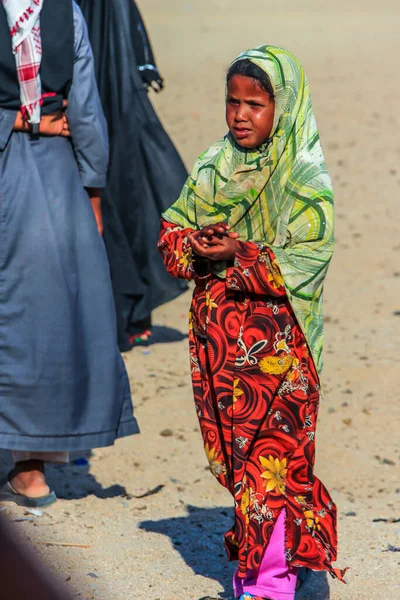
pixel 256 394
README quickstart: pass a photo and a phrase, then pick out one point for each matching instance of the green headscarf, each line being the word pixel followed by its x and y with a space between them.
pixel 279 194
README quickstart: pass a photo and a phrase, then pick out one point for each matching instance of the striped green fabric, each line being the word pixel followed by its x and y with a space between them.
pixel 279 194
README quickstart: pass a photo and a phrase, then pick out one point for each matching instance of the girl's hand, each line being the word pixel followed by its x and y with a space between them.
pixel 214 248
pixel 215 242
pixel 219 230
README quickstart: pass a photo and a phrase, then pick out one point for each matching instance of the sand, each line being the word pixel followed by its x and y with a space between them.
pixel 168 545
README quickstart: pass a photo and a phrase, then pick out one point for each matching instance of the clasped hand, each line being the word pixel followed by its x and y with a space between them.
pixel 55 124
pixel 214 242
pixel 50 125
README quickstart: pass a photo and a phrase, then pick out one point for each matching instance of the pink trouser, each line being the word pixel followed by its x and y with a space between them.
pixel 274 580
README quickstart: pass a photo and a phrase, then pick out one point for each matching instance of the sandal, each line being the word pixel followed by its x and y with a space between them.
pixel 9 494
pixel 140 339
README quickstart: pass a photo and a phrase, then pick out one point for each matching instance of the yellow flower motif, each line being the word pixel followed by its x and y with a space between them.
pixel 275 276
pixel 185 259
pixel 190 320
pixel 275 473
pixel 210 453
pixel 301 500
pixel 282 345
pixel 276 365
pixel 312 522
pixel 293 369
pixel 217 467
pixel 237 392
pixel 209 301
pixel 245 501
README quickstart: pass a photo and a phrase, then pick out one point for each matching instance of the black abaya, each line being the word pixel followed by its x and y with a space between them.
pixel 145 174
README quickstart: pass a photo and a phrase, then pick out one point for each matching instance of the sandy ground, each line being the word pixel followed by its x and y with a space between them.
pixel 168 545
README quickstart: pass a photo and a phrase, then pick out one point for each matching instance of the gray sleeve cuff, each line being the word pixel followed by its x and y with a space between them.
pixel 92 180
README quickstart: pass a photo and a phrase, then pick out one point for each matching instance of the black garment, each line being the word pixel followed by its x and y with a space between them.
pixel 144 52
pixel 145 175
pixel 57 32
pixel 141 42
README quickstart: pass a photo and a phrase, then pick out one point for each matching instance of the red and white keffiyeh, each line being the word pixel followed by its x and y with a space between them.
pixel 23 18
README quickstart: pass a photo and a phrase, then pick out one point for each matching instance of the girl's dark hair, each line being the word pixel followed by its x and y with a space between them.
pixel 246 68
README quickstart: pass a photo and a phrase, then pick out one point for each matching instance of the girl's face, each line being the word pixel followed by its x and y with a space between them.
pixel 249 111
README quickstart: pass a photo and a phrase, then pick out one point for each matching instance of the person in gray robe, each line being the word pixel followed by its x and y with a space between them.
pixel 63 383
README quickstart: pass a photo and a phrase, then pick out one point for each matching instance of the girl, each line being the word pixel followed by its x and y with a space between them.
pixel 63 385
pixel 253 228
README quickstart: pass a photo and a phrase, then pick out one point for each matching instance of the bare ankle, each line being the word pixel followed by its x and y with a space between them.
pixel 28 478
pixel 27 466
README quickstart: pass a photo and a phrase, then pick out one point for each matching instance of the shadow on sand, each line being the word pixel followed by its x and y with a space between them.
pixel 70 482
pixel 198 537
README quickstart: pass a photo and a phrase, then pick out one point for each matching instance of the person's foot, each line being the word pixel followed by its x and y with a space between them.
pixel 140 339
pixel 28 478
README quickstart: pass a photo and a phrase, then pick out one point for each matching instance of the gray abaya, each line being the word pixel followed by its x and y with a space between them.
pixel 63 384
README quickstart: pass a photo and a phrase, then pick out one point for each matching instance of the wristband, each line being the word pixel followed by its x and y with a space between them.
pixel 34 130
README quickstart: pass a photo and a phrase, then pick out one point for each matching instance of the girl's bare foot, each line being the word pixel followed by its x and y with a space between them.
pixel 28 479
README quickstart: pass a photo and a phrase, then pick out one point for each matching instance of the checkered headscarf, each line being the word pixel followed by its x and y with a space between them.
pixel 23 18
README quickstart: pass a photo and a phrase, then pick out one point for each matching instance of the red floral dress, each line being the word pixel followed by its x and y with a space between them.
pixel 256 394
